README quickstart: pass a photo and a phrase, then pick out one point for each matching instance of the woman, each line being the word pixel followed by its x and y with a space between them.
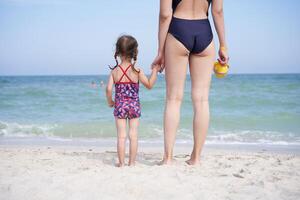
pixel 185 38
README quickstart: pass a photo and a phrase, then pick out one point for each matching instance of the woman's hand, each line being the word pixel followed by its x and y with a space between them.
pixel 223 56
pixel 159 60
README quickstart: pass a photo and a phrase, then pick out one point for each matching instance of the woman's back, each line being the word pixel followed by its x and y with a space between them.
pixel 191 9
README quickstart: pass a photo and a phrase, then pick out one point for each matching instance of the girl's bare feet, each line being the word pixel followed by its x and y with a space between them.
pixel 192 161
pixel 131 164
pixel 120 165
pixel 165 162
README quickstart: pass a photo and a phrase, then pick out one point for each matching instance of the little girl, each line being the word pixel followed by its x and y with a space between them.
pixel 126 77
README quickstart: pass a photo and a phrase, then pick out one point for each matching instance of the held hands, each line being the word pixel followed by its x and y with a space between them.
pixel 159 63
pixel 223 56
pixel 156 68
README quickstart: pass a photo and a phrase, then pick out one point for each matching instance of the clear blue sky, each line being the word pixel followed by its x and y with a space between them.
pixel 77 36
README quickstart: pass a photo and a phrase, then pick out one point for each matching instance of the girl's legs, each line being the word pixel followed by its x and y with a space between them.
pixel 133 130
pixel 201 66
pixel 121 129
pixel 176 59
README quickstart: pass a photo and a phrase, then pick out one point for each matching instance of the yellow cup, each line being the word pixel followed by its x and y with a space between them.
pixel 220 70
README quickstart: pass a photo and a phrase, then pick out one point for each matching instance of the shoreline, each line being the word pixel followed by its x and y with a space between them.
pixel 148 144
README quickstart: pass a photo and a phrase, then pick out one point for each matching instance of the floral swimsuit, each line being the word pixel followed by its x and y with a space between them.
pixel 127 103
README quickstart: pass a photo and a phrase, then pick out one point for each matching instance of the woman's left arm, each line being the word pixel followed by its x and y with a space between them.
pixel 218 17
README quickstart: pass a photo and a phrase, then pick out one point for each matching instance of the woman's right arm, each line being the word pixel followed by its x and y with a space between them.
pixel 165 16
pixel 218 16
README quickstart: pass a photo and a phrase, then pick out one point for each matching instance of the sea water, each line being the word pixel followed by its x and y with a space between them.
pixel 246 108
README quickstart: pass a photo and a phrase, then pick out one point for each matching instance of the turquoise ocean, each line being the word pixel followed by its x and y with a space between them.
pixel 245 109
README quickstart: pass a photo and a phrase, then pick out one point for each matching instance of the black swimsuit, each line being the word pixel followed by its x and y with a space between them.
pixel 194 34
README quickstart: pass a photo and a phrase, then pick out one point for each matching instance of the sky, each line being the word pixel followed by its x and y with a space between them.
pixel 77 37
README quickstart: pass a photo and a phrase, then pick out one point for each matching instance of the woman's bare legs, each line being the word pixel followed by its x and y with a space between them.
pixel 176 59
pixel 201 66
pixel 121 129
pixel 133 131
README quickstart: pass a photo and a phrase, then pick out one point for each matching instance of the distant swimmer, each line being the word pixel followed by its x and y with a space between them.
pixel 102 84
pixel 93 84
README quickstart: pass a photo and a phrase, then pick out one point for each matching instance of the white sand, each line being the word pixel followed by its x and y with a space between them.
pixel 37 173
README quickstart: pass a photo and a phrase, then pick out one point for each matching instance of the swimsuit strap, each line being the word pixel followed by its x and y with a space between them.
pixel 175 3
pixel 124 74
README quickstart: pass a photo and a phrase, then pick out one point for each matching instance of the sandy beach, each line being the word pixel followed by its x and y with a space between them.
pixel 220 73
pixel 77 173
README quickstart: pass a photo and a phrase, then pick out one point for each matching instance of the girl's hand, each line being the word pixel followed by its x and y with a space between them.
pixel 223 56
pixel 156 68
pixel 159 60
pixel 111 104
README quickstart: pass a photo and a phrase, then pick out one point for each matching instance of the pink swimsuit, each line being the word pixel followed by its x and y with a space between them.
pixel 127 103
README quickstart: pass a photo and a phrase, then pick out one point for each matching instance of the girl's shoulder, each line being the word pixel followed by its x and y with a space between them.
pixel 137 69
pixel 113 73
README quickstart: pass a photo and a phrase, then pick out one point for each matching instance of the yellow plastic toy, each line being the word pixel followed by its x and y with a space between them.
pixel 220 70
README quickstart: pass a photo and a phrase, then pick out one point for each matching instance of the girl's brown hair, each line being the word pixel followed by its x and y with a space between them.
pixel 126 46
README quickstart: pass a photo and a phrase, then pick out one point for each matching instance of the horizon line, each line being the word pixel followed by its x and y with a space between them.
pixel 248 73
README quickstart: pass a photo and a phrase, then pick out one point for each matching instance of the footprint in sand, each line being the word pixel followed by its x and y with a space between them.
pixel 238 175
pixel 112 152
pixel 182 156
pixel 223 175
pixel 250 163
